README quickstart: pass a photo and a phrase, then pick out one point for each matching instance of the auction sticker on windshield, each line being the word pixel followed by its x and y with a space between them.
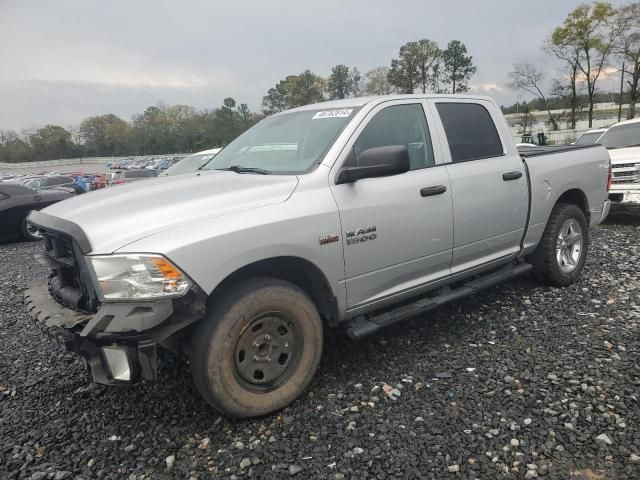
pixel 345 112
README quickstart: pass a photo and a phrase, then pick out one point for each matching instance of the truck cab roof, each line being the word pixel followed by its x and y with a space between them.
pixel 357 102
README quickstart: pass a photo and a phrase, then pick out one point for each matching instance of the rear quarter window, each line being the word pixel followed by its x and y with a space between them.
pixel 470 131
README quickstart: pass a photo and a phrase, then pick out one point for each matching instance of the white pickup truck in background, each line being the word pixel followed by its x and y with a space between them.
pixel 623 142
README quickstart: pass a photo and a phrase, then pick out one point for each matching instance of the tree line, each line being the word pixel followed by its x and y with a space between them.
pixel 421 66
pixel 592 39
pixel 160 129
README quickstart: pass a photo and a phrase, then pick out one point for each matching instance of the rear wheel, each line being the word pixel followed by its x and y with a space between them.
pixel 30 231
pixel 562 252
pixel 258 348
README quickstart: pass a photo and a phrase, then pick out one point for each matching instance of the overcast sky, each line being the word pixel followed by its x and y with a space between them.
pixel 63 60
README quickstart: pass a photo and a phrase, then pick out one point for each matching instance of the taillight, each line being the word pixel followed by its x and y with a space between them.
pixel 609 178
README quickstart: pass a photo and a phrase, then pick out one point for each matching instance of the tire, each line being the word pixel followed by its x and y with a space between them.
pixel 259 325
pixel 28 232
pixel 562 252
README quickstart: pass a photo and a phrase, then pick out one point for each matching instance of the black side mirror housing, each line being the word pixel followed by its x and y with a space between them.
pixel 377 162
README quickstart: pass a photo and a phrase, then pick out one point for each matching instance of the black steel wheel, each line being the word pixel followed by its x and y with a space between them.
pixel 258 348
pixel 267 351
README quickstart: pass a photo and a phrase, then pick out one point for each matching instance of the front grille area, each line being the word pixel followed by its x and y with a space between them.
pixel 69 282
pixel 627 176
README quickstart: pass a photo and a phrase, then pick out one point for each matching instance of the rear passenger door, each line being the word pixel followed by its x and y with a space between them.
pixel 488 183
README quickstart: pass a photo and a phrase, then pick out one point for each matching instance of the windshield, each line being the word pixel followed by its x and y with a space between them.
pixel 288 143
pixel 588 138
pixel 621 136
pixel 189 164
pixel 34 183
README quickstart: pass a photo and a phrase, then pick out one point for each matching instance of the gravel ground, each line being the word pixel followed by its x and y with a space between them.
pixel 520 382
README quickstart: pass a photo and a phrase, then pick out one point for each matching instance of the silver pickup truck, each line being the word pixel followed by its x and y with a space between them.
pixel 357 213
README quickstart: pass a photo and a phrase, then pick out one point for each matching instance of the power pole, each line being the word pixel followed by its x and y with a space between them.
pixel 620 99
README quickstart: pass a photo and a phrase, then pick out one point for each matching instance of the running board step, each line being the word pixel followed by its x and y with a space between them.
pixel 362 326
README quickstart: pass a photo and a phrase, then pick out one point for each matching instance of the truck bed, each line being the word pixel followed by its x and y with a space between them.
pixel 553 170
pixel 537 150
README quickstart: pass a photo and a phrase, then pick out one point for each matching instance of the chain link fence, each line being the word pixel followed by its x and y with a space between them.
pixel 562 137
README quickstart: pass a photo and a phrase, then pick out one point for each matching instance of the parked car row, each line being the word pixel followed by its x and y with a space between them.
pixel 151 163
pixel 17 201
pixel 120 177
pixel 76 180
pixel 132 172
pixel 20 193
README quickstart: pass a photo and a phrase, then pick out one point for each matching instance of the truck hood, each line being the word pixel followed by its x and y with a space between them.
pixel 116 216
pixel 624 155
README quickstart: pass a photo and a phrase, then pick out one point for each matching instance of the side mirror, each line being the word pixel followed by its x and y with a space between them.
pixel 377 162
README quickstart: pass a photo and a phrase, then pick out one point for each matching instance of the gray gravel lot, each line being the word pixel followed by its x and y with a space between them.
pixel 521 382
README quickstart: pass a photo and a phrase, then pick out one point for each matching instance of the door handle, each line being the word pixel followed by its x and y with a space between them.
pixel 511 176
pixel 435 190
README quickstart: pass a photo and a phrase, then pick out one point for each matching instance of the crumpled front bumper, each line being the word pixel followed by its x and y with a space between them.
pixel 91 335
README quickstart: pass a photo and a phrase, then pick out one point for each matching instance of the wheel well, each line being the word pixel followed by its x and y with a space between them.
pixel 578 198
pixel 302 273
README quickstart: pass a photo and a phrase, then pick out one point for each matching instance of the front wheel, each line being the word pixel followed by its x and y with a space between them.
pixel 258 348
pixel 562 252
pixel 30 231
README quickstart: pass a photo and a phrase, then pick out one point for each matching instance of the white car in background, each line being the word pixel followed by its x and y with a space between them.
pixel 191 163
pixel 590 136
pixel 623 142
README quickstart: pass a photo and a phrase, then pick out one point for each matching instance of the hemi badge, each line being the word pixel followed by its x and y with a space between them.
pixel 329 239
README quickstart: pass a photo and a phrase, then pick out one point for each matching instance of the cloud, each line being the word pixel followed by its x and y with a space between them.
pixel 62 61
pixel 486 88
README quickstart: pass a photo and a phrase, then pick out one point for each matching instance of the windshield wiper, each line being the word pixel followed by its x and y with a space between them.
pixel 241 169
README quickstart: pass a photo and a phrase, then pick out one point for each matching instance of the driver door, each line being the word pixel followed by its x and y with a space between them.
pixel 396 231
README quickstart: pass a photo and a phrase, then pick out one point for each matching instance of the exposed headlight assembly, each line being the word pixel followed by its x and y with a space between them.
pixel 138 277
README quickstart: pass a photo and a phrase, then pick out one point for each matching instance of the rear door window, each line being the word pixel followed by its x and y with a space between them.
pixel 470 131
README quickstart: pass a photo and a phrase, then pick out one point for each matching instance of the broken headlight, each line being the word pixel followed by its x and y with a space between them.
pixel 138 277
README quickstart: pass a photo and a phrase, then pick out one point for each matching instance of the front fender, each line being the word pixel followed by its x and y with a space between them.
pixel 212 250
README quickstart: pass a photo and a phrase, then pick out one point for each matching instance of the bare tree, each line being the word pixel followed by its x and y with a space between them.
pixel 569 54
pixel 628 48
pixel 529 78
pixel 592 29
